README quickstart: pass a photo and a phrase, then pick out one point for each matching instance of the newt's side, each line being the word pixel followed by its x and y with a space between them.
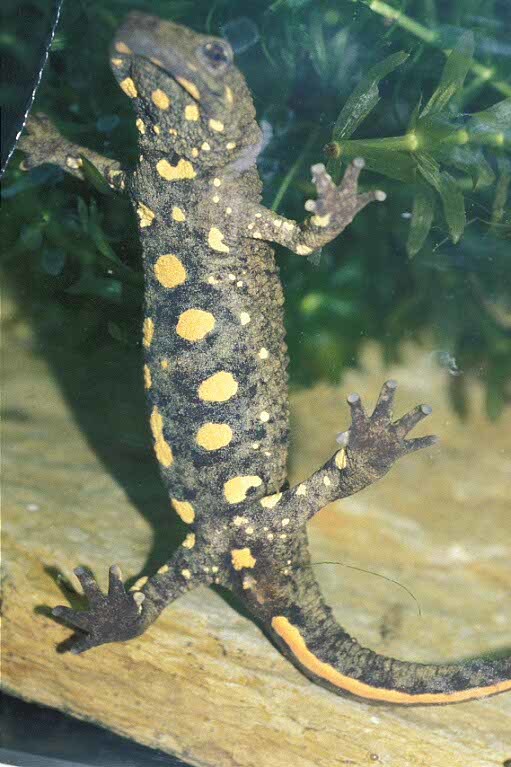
pixel 215 372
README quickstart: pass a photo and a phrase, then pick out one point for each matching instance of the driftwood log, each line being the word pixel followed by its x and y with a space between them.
pixel 81 487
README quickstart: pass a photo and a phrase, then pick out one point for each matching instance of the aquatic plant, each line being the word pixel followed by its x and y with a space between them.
pixel 421 90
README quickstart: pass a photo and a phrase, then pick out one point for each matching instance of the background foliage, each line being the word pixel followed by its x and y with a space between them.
pixel 419 88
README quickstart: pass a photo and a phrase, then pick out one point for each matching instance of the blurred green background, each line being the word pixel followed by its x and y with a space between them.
pixel 420 88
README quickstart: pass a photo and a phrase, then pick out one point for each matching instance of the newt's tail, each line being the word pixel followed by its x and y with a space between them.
pixel 303 626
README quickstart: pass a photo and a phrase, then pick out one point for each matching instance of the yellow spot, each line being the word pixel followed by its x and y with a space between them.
pixel 140 125
pixel 161 447
pixel 263 353
pixel 230 145
pixel 264 416
pixel 195 324
pixel 242 558
pixel 117 62
pixel 215 240
pixel 239 521
pixel 228 95
pixel 287 225
pixel 213 436
pixel 303 250
pixel 178 214
pixel 244 318
pixel 228 211
pixel 74 162
pixel 184 169
pixel 160 99
pixel 217 181
pixel 189 87
pixel 327 481
pixel 271 500
pixel 189 541
pixel 195 152
pixel 145 215
pixel 216 125
pixel 192 112
pixel 186 574
pixel 138 584
pixel 218 388
pixel 147 377
pixel 321 220
pixel 121 47
pixel 277 222
pixel 257 235
pixel 216 198
pixel 301 490
pixel 184 510
pixel 173 131
pixel 164 364
pixel 129 88
pixel 169 271
pixel 341 459
pixel 163 569
pixel 156 129
pixel 235 489
pixel 205 146
pixel 148 332
pixel 285 522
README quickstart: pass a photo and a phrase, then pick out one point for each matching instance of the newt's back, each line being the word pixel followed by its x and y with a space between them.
pixel 215 357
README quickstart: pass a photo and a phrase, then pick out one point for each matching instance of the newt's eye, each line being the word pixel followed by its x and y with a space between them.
pixel 216 55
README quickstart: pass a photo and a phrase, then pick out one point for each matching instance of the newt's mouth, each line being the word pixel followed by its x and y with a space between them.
pixel 156 41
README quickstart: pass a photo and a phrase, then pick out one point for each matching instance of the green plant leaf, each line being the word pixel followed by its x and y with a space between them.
pixel 492 121
pixel 471 161
pixel 452 198
pixel 453 76
pixel 422 218
pixel 396 165
pixel 365 97
pixel 94 177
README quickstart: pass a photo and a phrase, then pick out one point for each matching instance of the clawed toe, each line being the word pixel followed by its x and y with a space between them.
pixel 411 419
pixel 383 409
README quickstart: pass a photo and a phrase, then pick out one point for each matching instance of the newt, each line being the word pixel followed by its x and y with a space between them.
pixel 215 372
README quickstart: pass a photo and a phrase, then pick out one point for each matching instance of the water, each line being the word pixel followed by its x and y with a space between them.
pixel 418 288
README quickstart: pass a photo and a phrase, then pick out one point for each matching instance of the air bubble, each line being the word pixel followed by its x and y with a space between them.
pixel 242 33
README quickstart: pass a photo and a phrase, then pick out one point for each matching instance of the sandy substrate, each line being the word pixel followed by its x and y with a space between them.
pixel 81 487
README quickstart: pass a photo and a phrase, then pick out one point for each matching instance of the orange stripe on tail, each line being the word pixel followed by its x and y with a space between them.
pixel 296 643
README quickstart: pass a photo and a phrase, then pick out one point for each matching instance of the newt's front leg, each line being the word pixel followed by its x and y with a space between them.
pixel 42 143
pixel 333 210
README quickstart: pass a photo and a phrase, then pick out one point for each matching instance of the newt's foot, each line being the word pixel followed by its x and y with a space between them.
pixel 337 206
pixel 113 618
pixel 376 442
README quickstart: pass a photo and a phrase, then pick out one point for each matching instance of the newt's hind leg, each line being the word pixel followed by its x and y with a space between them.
pixel 121 615
pixel 369 449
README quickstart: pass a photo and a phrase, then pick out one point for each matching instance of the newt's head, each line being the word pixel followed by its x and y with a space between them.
pixel 187 93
